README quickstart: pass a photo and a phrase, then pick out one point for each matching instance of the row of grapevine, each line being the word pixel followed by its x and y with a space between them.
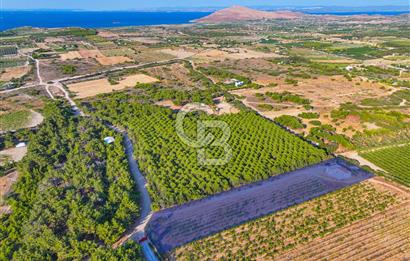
pixel 269 237
pixel 395 160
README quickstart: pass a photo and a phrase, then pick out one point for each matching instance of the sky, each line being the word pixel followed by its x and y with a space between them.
pixel 145 4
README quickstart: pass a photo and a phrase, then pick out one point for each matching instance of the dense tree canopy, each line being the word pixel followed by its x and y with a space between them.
pixel 260 149
pixel 74 197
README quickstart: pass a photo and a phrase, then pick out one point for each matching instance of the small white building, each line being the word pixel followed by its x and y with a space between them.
pixel 21 145
pixel 109 140
pixel 349 68
pixel 238 83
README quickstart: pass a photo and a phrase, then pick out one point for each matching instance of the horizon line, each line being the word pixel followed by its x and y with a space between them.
pixel 202 8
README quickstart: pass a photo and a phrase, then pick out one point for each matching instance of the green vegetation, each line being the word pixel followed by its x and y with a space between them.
pixel 326 136
pixel 394 99
pixel 224 74
pixel 363 52
pixel 268 237
pixel 14 120
pixel 8 50
pixel 309 115
pixel 74 196
pixel 315 123
pixel 68 69
pixel 265 107
pixel 260 149
pixel 395 160
pixel 290 122
pixel 287 97
pixel 8 62
pixel 291 81
pixel 156 92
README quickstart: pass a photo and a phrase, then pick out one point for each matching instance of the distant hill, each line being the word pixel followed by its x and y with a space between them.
pixel 240 13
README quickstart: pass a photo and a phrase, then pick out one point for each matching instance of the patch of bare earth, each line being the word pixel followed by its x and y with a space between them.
pixel 112 60
pixel 178 53
pixel 325 93
pixel 6 183
pixel 14 73
pixel 13 154
pixel 232 53
pixel 221 106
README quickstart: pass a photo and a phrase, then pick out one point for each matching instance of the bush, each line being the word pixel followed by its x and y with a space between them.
pixel 290 122
pixel 309 115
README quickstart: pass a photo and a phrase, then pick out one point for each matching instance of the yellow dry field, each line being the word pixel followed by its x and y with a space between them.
pixel 96 54
pixel 107 34
pixel 178 53
pixel 70 56
pixel 90 53
pixel 14 72
pixel 95 87
pixel 112 60
pixel 326 93
pixel 232 53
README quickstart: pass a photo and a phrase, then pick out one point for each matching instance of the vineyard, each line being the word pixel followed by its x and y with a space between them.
pixel 8 50
pixel 174 227
pixel 260 149
pixel 6 62
pixel 365 240
pixel 395 160
pixel 269 237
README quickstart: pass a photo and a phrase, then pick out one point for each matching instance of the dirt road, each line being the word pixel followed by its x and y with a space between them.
pixel 138 230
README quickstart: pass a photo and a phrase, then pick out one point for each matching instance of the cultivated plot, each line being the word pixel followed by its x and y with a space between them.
pixel 95 87
pixel 176 226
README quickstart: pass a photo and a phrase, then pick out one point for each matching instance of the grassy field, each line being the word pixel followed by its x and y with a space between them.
pixel 14 120
pixel 395 160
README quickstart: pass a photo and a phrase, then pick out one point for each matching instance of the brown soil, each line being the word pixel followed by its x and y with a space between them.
pixel 14 72
pixel 94 87
pixel 113 60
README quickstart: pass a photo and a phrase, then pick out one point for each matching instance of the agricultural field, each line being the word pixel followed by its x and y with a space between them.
pixel 260 149
pixel 294 94
pixel 272 236
pixel 14 73
pixel 95 87
pixel 177 226
pixel 14 120
pixel 394 160
pixel 8 51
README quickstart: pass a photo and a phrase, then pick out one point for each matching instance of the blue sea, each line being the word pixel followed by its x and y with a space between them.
pixel 88 19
